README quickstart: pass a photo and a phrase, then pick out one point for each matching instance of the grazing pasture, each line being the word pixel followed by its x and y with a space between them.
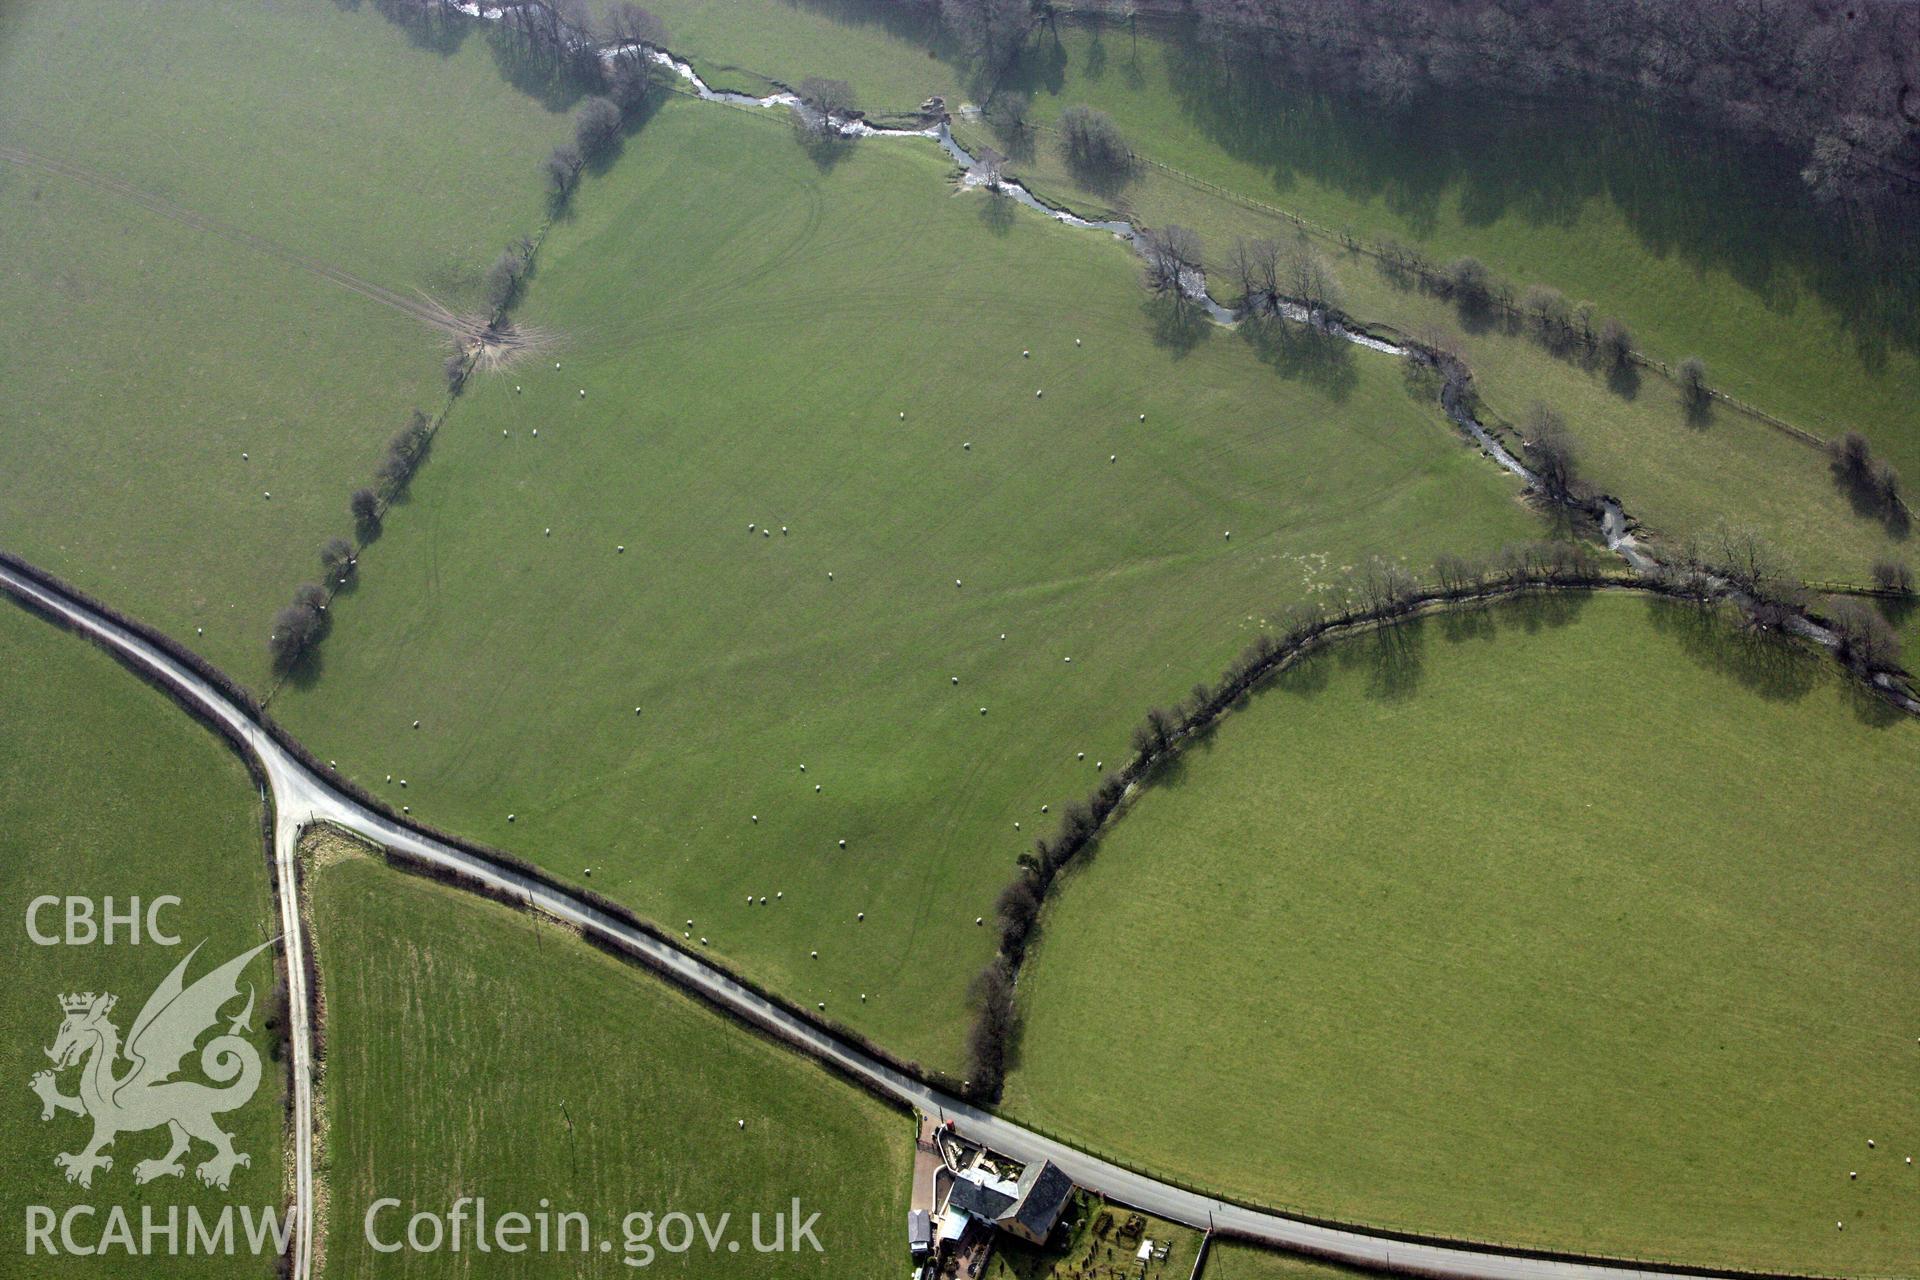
pixel 1679 473
pixel 1583 924
pixel 475 1052
pixel 730 608
pixel 1703 245
pixel 108 790
pixel 196 202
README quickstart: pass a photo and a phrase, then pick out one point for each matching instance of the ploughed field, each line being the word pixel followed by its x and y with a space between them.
pixel 1579 923
pixel 475 1053
pixel 805 624
pixel 109 791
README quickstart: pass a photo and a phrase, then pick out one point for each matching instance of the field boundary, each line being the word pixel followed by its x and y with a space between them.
pixel 1147 1191
pixel 1374 250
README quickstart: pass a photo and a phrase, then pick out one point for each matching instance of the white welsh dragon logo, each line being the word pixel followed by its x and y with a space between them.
pixel 146 1095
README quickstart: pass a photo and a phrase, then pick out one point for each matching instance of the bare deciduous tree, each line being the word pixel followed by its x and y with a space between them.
pixel 1256 266
pixel 1867 641
pixel 1616 343
pixel 1094 143
pixel 1691 373
pixel 365 505
pixel 1748 562
pixel 1893 576
pixel 1010 112
pixel 336 560
pixel 1549 451
pixel 825 102
pixel 596 127
pixel 561 169
pixel 1311 281
pixel 1172 255
pixel 628 23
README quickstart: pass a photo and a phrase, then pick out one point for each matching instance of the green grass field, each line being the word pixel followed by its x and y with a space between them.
pixel 894 60
pixel 1583 924
pixel 749 331
pixel 147 348
pixel 1704 247
pixel 1677 475
pixel 1229 1260
pixel 473 1053
pixel 107 789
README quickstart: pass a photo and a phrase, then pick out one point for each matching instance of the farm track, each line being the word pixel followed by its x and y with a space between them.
pixel 421 308
pixel 303 797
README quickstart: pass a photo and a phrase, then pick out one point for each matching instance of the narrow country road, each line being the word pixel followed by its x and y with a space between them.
pixel 302 798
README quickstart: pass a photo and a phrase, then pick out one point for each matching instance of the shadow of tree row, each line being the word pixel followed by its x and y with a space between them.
pixel 1713 200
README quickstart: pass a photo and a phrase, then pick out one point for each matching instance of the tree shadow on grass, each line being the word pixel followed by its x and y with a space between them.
pixel 550 78
pixel 996 211
pixel 1391 657
pixel 1534 611
pixel 1178 324
pixel 825 147
pixel 1775 666
pixel 1470 622
pixel 1302 353
pixel 1871 709
pixel 429 27
pixel 1624 380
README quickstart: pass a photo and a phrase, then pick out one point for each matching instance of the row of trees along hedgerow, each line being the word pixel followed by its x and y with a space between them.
pixel 560 42
pixel 1381 591
pixel 303 623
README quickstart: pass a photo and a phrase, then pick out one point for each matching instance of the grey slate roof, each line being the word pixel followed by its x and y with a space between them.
pixel 1044 1189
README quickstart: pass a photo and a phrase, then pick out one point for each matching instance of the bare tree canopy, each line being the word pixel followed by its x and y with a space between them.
pixel 825 101
pixel 1172 255
pixel 628 23
pixel 596 126
pixel 1093 142
pixel 1549 450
